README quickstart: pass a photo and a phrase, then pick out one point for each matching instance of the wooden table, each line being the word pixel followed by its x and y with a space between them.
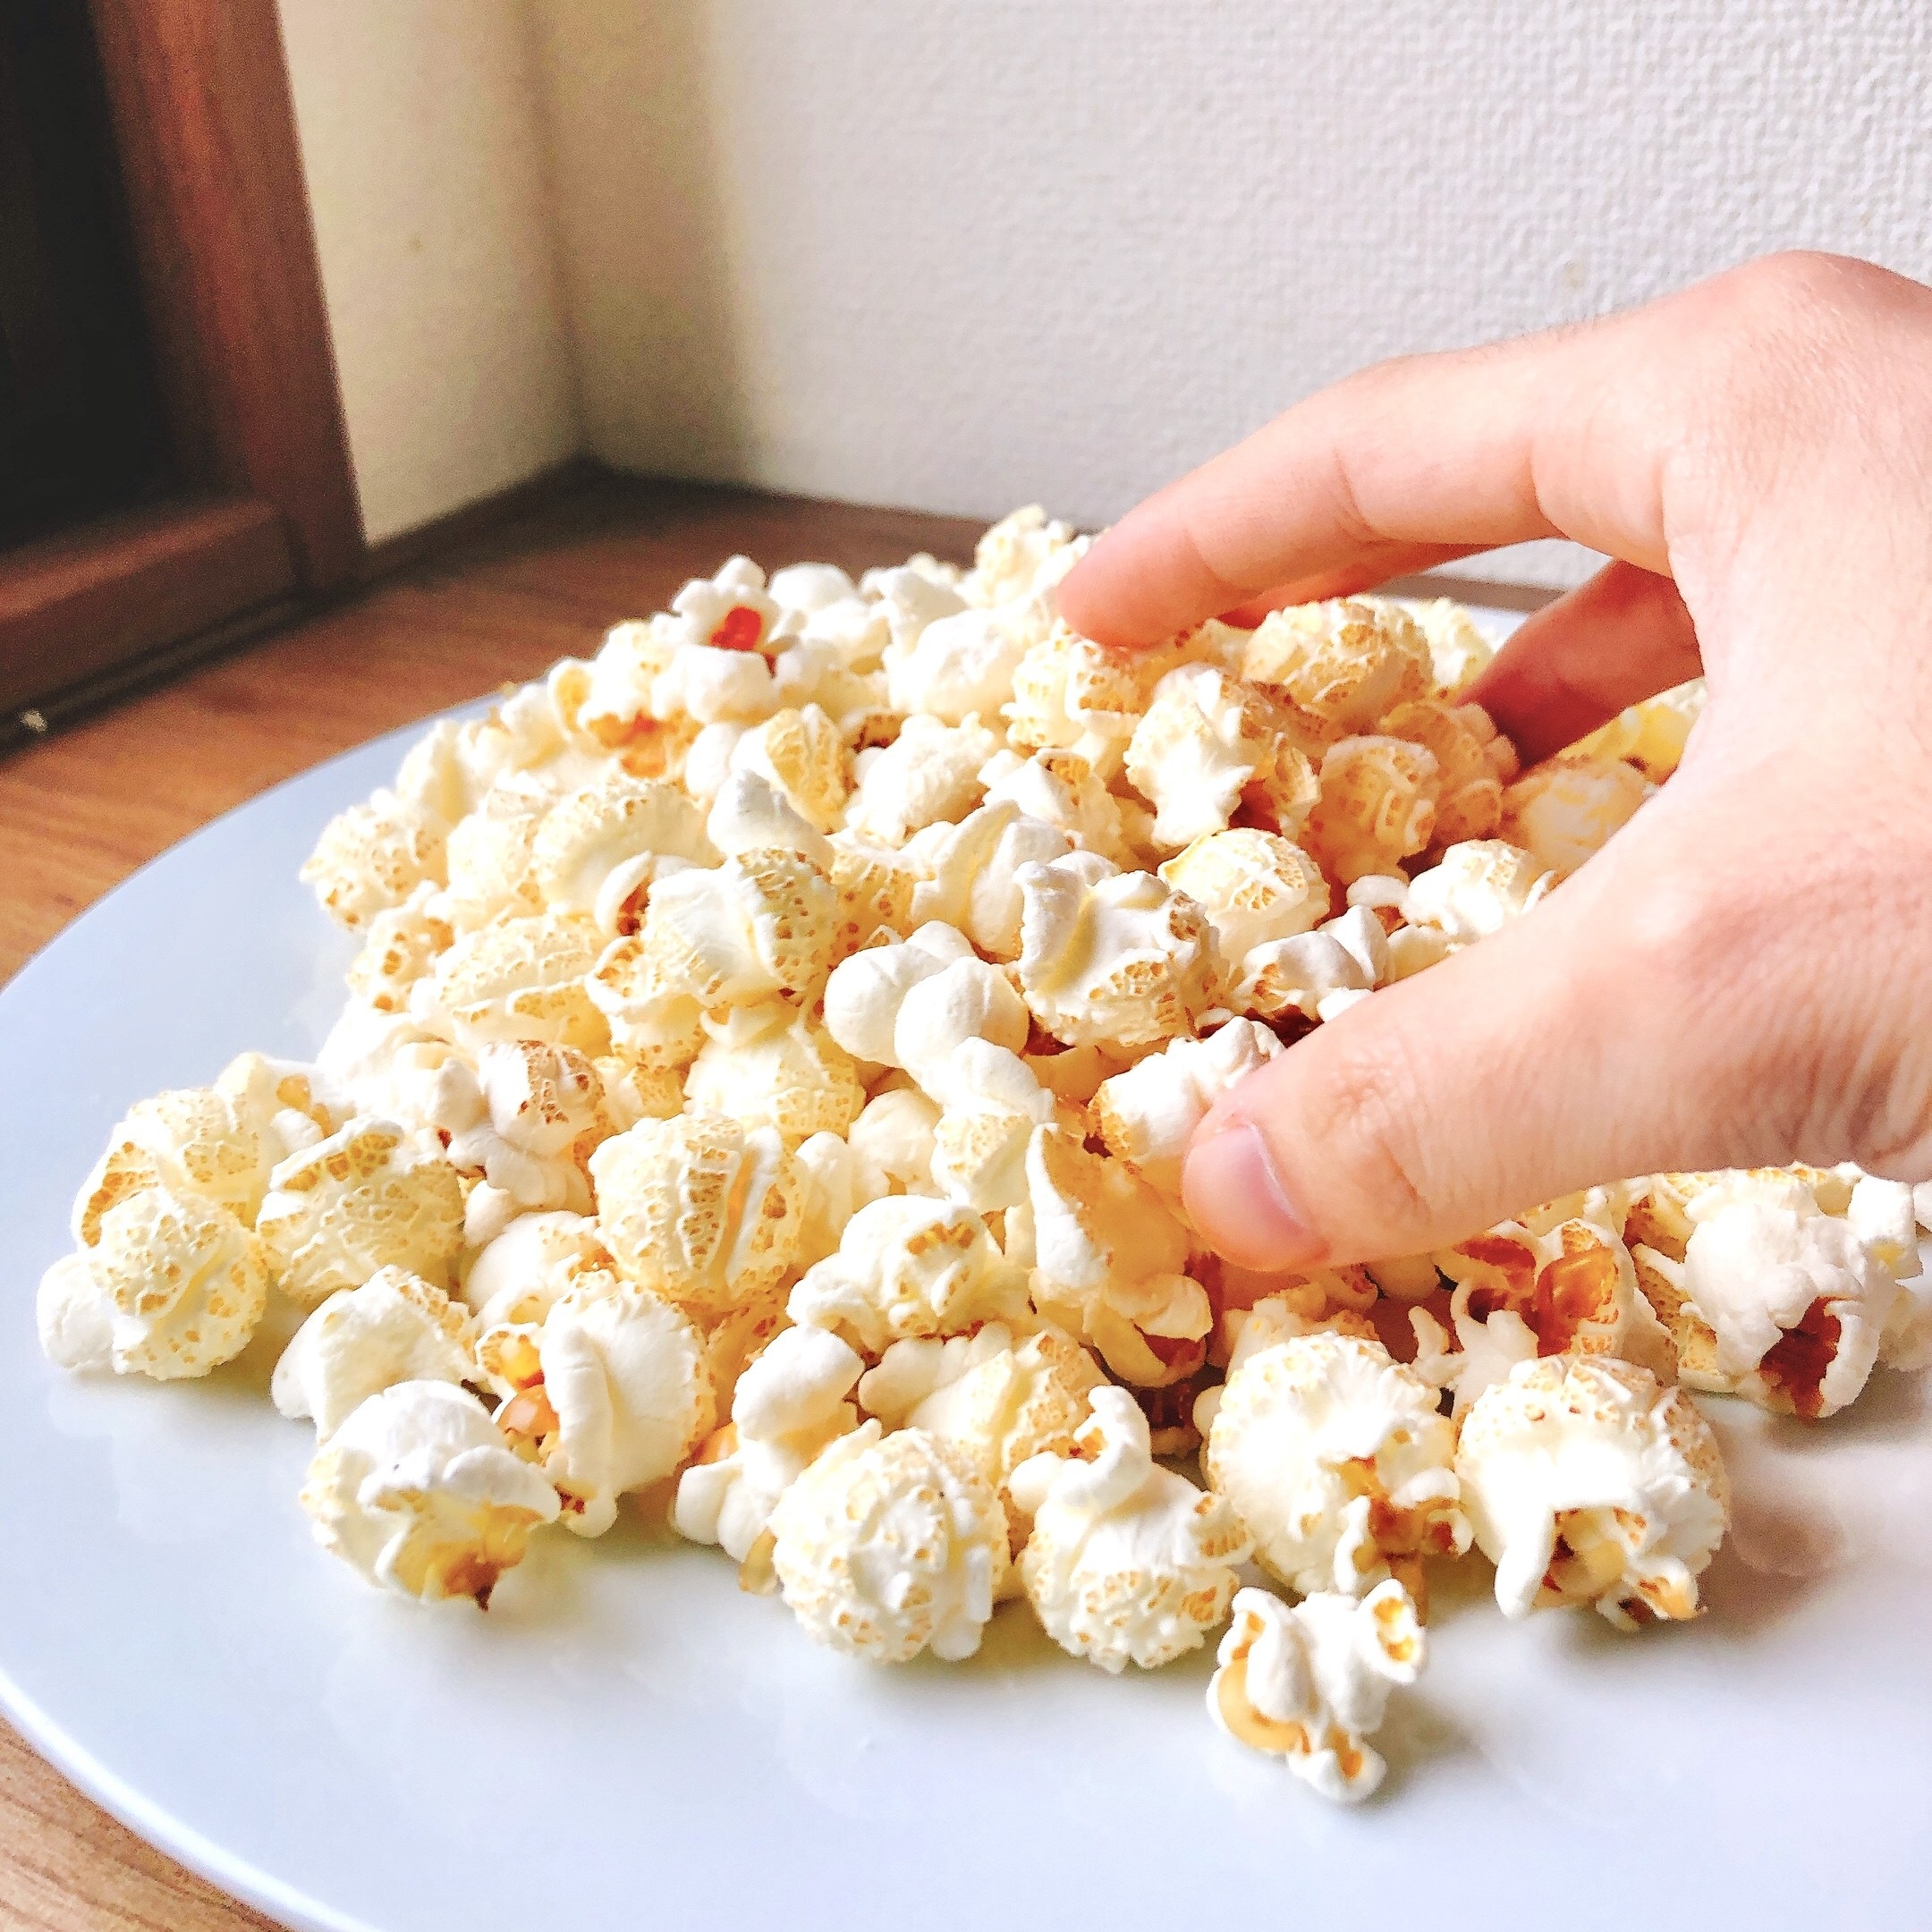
pixel 82 810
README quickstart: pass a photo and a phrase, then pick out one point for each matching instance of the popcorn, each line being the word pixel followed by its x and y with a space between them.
pixel 402 947
pixel 522 978
pixel 1797 1303
pixel 728 611
pixel 1651 734
pixel 172 1286
pixel 1309 1684
pixel 1473 762
pixel 1126 1563
pixel 1339 1463
pixel 975 866
pixel 962 666
pixel 598 851
pixel 1058 789
pixel 1312 972
pixel 1206 740
pixel 827 1171
pixel 1071 694
pixel 418 1491
pixel 365 1198
pixel 1255 888
pixel 1348 661
pixel 609 1395
pixel 769 1066
pixel 875 889
pixel 891 1145
pixel 1147 1114
pixel 928 773
pixel 1565 809
pixel 1020 554
pixel 698 1208
pixel 372 857
pixel 810 588
pixel 652 1017
pixel 633 1091
pixel 1476 889
pixel 1588 1482
pixel 886 1546
pixel 1113 956
pixel 537 1260
pixel 864 993
pixel 907 1265
pixel 1378 805
pixel 396 1328
pixel 490 873
pixel 790 1402
pixel 800 752
pixel 992 1102
pixel 1459 652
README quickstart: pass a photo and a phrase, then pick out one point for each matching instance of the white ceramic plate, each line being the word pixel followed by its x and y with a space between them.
pixel 626 1739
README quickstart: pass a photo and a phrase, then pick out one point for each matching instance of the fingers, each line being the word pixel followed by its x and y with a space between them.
pixel 1617 1029
pixel 1624 635
pixel 1374 566
pixel 1554 435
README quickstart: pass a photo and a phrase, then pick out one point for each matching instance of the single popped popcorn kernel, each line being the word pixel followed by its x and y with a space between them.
pixel 1651 734
pixel 1309 1684
pixel 372 857
pixel 927 775
pixel 1476 889
pixel 1339 1463
pixel 366 1198
pixel 1256 888
pixel 400 946
pixel 1020 555
pixel 1378 805
pixel 1459 652
pixel 1563 810
pixel 770 1066
pixel 698 1208
pixel 197 1142
pixel 490 873
pixel 598 851
pixel 418 1490
pixel 1126 1562
pixel 1473 762
pixel 1348 661
pixel 801 753
pixel 1071 694
pixel 1586 1481
pixel 888 1547
pixel 518 980
pixel 1062 790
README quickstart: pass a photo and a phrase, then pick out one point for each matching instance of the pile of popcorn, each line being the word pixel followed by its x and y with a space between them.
pixel 765 1083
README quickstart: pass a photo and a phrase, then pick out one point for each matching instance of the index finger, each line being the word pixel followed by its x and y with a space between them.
pixel 1406 464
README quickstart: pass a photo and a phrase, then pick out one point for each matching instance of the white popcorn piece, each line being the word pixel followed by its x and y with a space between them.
pixel 907 1265
pixel 790 1402
pixel 828 1172
pixel 864 994
pixel 748 813
pixel 609 1395
pixel 1378 805
pixel 633 1091
pixel 1797 1303
pixel 1147 1114
pixel 800 752
pixel 886 1547
pixel 396 1328
pixel 418 1490
pixel 491 870
pixel 893 1145
pixel 654 1019
pixel 1207 739
pixel 728 611
pixel 1309 1684
pixel 520 979
pixel 810 588
pixel 770 1066
pixel 1473 762
pixel 1586 1481
pixel 965 1002
pixel 992 1102
pixel 1255 888
pixel 534 1263
pixel 399 946
pixel 1021 555
pixel 1126 1562
pixel 1111 956
pixel 1459 651
pixel 961 666
pixel 1062 790
pixel 1567 809
pixel 1339 1463
pixel 975 865
pixel 172 1286
pixel 698 1208
pixel 598 851
pixel 1477 888
pixel 371 857
pixel 1071 694
pixel 928 775
pixel 1347 661
pixel 366 1198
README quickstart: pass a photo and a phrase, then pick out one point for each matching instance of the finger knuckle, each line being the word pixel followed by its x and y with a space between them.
pixel 1363 1117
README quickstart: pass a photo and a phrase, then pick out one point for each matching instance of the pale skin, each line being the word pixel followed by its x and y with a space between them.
pixel 1739 978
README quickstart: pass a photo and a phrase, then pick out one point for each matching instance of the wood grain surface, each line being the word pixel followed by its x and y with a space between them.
pixel 82 810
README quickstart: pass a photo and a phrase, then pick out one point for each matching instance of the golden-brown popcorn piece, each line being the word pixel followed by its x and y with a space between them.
pixel 761 925
pixel 654 1021
pixel 1567 808
pixel 803 753
pixel 490 873
pixel 182 1282
pixel 400 946
pixel 520 978
pixel 1587 1482
pixel 772 1067
pixel 372 857
pixel 597 852
pixel 365 1198
pixel 1348 661
pixel 633 1091
pixel 698 1208
pixel 1473 762
pixel 1254 887
pixel 196 1141
pixel 875 888
pixel 1378 805
pixel 1070 693
pixel 1119 957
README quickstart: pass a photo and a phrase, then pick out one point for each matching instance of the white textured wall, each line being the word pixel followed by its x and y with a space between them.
pixel 961 253
pixel 422 141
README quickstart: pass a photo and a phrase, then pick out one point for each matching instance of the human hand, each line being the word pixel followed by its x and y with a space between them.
pixel 1739 978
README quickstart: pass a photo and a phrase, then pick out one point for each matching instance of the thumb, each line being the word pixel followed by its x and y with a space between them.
pixel 1617 1029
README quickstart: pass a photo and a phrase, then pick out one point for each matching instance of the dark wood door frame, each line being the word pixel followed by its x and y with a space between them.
pixel 205 124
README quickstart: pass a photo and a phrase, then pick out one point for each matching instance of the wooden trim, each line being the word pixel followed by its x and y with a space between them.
pixel 482 518
pixel 78 605
pixel 205 123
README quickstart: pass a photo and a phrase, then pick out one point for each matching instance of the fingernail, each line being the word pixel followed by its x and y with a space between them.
pixel 1235 1197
